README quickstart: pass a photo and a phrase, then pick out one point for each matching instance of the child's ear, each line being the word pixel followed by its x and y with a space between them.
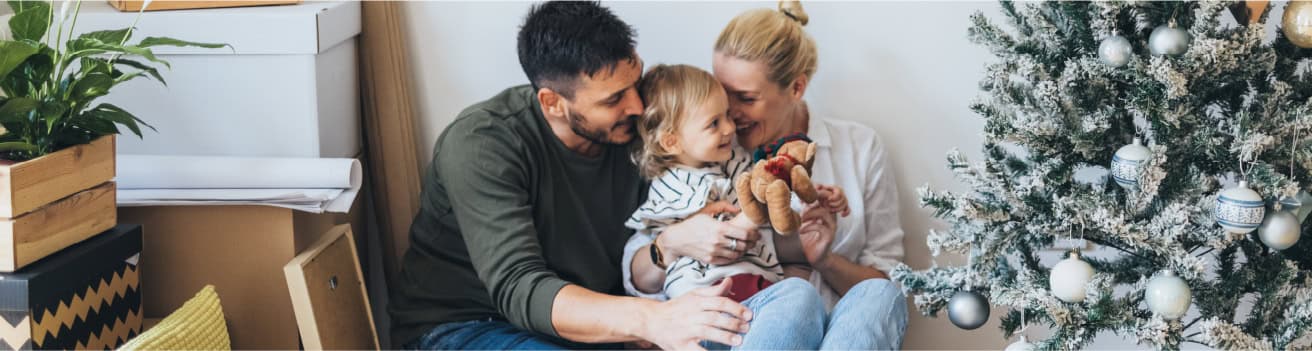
pixel 670 143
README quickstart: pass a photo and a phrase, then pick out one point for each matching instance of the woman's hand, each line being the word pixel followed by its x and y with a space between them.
pixel 703 238
pixel 817 233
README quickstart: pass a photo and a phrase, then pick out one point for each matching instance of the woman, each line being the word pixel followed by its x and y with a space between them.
pixel 764 59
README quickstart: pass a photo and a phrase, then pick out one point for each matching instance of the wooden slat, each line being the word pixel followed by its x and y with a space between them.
pixel 28 185
pixel 49 229
pixel 135 5
pixel 328 294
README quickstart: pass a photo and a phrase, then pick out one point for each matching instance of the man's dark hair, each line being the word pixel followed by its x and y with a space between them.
pixel 560 39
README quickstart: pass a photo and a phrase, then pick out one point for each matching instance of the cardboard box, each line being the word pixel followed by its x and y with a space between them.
pixel 157 5
pixel 288 86
pixel 241 251
pixel 87 296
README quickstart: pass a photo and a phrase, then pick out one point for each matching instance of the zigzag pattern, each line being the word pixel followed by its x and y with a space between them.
pixel 109 338
pixel 66 315
pixel 15 336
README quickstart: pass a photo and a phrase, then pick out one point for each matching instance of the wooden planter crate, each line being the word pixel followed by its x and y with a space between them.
pixel 29 185
pixel 57 200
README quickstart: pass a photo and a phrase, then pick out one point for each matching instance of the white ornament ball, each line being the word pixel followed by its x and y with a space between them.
pixel 1169 40
pixel 1280 230
pixel 968 309
pixel 1304 198
pixel 1069 277
pixel 1128 163
pixel 1115 51
pixel 1240 209
pixel 1022 345
pixel 1168 295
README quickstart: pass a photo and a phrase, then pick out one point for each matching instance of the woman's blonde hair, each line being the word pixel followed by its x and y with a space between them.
pixel 775 38
pixel 669 92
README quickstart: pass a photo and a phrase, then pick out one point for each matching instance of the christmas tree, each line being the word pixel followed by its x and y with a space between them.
pixel 1168 140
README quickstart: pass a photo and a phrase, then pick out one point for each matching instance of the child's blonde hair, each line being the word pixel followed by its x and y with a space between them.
pixel 775 38
pixel 669 92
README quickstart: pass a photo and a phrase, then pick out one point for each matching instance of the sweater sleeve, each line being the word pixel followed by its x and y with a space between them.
pixel 486 175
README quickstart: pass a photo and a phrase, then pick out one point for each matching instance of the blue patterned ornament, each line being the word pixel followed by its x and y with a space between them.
pixel 1128 164
pixel 1239 209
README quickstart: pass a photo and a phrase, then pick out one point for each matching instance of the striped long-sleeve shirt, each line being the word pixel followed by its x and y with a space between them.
pixel 679 193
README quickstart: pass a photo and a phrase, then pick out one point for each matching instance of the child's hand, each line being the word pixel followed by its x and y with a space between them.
pixel 832 198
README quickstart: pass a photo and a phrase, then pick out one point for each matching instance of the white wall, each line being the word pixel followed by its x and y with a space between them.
pixel 903 68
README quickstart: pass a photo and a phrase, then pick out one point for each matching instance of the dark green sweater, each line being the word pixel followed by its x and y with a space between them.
pixel 508 217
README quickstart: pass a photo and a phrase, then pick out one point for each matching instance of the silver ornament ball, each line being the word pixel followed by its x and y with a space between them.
pixel 1168 296
pixel 1115 51
pixel 1280 230
pixel 1169 40
pixel 1128 163
pixel 968 310
pixel 1239 209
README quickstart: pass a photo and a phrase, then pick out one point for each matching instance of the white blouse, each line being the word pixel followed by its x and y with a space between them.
pixel 850 156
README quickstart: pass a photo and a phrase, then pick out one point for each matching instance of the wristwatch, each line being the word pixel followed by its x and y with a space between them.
pixel 656 257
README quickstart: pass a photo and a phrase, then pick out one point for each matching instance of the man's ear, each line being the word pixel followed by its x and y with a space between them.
pixel 553 105
pixel 797 88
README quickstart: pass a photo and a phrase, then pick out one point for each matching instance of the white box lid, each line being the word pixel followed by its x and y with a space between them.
pixel 307 28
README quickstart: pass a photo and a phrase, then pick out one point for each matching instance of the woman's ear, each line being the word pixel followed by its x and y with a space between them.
pixel 798 87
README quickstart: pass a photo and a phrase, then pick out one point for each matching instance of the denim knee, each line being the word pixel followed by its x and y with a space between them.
pixel 873 289
pixel 802 298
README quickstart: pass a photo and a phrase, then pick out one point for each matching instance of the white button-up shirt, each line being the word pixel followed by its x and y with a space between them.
pixel 850 156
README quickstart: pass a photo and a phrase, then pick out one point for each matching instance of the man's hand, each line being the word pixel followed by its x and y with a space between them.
pixel 705 239
pixel 702 314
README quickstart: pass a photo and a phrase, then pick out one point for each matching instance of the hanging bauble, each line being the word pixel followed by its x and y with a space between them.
pixel 1167 295
pixel 1069 277
pixel 1128 163
pixel 968 309
pixel 1167 39
pixel 1115 51
pixel 1297 23
pixel 1280 229
pixel 1305 199
pixel 1248 11
pixel 1240 209
pixel 1022 345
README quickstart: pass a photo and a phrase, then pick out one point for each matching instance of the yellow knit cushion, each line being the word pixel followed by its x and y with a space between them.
pixel 197 325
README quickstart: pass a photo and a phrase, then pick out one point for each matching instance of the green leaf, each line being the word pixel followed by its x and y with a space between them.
pixel 158 41
pixel 143 67
pixel 115 36
pixel 83 47
pixel 13 53
pixel 30 21
pixel 17 109
pixel 24 5
pixel 16 146
pixel 91 86
pixel 115 114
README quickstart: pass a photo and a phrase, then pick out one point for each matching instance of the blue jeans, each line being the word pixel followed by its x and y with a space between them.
pixel 790 315
pixel 492 335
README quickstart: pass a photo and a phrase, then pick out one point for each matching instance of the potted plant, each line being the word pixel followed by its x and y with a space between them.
pixel 57 143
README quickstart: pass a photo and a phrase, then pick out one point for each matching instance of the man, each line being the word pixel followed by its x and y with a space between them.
pixel 519 237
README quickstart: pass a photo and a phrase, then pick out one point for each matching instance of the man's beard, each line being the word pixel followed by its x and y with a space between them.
pixel 602 135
